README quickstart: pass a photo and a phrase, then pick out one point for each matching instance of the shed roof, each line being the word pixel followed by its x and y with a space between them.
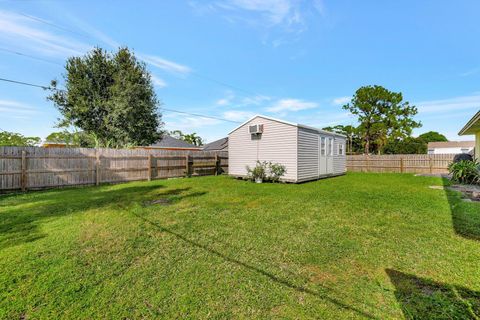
pixel 452 144
pixel 288 123
pixel 472 126
pixel 219 144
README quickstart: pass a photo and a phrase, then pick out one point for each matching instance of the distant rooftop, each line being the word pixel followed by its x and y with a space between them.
pixel 217 145
pixel 171 142
pixel 451 144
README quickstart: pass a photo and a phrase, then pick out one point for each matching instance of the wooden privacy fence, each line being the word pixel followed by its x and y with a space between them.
pixel 401 163
pixel 24 168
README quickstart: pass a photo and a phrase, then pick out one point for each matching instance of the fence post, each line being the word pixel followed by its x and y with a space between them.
pixel 368 163
pixel 97 168
pixel 431 165
pixel 402 169
pixel 23 177
pixel 187 165
pixel 217 164
pixel 150 167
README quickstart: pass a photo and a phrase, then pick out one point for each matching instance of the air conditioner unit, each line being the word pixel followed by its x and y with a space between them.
pixel 256 129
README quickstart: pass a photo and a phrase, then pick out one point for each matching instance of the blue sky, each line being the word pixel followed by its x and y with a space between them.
pixel 290 59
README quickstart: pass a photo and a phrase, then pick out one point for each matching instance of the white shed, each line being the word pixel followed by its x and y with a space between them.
pixel 307 153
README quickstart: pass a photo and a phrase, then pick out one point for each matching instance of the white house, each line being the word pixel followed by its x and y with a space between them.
pixel 473 128
pixel 453 147
pixel 307 153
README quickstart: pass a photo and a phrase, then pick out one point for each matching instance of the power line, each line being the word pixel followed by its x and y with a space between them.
pixel 26 84
pixel 199 115
pixel 29 56
pixel 54 25
pixel 166 109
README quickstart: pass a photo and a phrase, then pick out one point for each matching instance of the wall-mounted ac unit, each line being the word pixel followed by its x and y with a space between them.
pixel 256 129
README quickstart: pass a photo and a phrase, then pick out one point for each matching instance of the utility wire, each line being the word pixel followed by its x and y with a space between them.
pixel 26 84
pixel 199 115
pixel 29 56
pixel 54 25
pixel 166 109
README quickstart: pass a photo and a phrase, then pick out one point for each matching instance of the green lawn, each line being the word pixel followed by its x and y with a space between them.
pixel 358 246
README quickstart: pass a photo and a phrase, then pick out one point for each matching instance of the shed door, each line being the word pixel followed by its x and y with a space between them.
pixel 322 157
pixel 329 155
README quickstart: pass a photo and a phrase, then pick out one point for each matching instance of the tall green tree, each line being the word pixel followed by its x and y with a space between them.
pixel 382 115
pixel 191 138
pixel 111 97
pixel 432 136
pixel 17 140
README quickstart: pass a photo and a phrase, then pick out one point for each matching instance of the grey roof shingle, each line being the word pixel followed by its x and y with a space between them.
pixel 171 142
pixel 218 145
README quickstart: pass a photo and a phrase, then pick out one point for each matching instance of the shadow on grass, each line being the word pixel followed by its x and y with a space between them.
pixel 465 215
pixel 426 299
pixel 20 222
pixel 262 272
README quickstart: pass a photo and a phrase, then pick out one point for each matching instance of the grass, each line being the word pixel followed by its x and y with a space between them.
pixel 357 246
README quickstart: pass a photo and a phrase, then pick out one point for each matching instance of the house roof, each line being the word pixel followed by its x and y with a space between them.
pixel 171 142
pixel 472 126
pixel 219 144
pixel 451 144
pixel 288 123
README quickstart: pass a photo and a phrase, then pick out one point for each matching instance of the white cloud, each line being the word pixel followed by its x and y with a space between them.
pixel 187 123
pixel 284 105
pixel 288 17
pixel 158 82
pixel 165 64
pixel 15 107
pixel 341 100
pixel 471 102
pixel 26 33
pixel 229 96
pixel 235 115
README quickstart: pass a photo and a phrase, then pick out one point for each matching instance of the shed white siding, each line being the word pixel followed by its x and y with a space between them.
pixel 339 161
pixel 278 143
pixel 297 147
pixel 308 154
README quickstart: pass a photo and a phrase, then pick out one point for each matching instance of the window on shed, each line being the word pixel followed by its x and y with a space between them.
pixel 340 149
pixel 322 146
pixel 330 146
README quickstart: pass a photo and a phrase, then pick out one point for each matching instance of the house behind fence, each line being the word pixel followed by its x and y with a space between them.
pixel 24 168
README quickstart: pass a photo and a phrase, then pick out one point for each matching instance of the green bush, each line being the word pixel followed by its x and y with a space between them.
pixel 267 171
pixel 465 171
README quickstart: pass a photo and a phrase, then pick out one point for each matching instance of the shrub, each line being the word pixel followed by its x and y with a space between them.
pixel 267 171
pixel 276 171
pixel 462 156
pixel 257 172
pixel 465 171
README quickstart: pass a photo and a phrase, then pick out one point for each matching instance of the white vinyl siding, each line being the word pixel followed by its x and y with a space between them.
pixel 308 154
pixel 339 161
pixel 278 143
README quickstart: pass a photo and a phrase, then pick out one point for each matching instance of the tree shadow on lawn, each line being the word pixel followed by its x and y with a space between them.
pixel 20 224
pixel 262 272
pixel 465 215
pixel 426 299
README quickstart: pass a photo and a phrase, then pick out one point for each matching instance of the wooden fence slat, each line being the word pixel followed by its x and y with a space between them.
pixel 57 167
pixel 407 163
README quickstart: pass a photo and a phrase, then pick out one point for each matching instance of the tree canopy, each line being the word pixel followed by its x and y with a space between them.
pixel 383 116
pixel 17 140
pixel 191 138
pixel 432 136
pixel 111 97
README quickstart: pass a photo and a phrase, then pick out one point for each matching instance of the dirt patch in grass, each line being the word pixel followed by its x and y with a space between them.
pixel 316 275
pixel 161 201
